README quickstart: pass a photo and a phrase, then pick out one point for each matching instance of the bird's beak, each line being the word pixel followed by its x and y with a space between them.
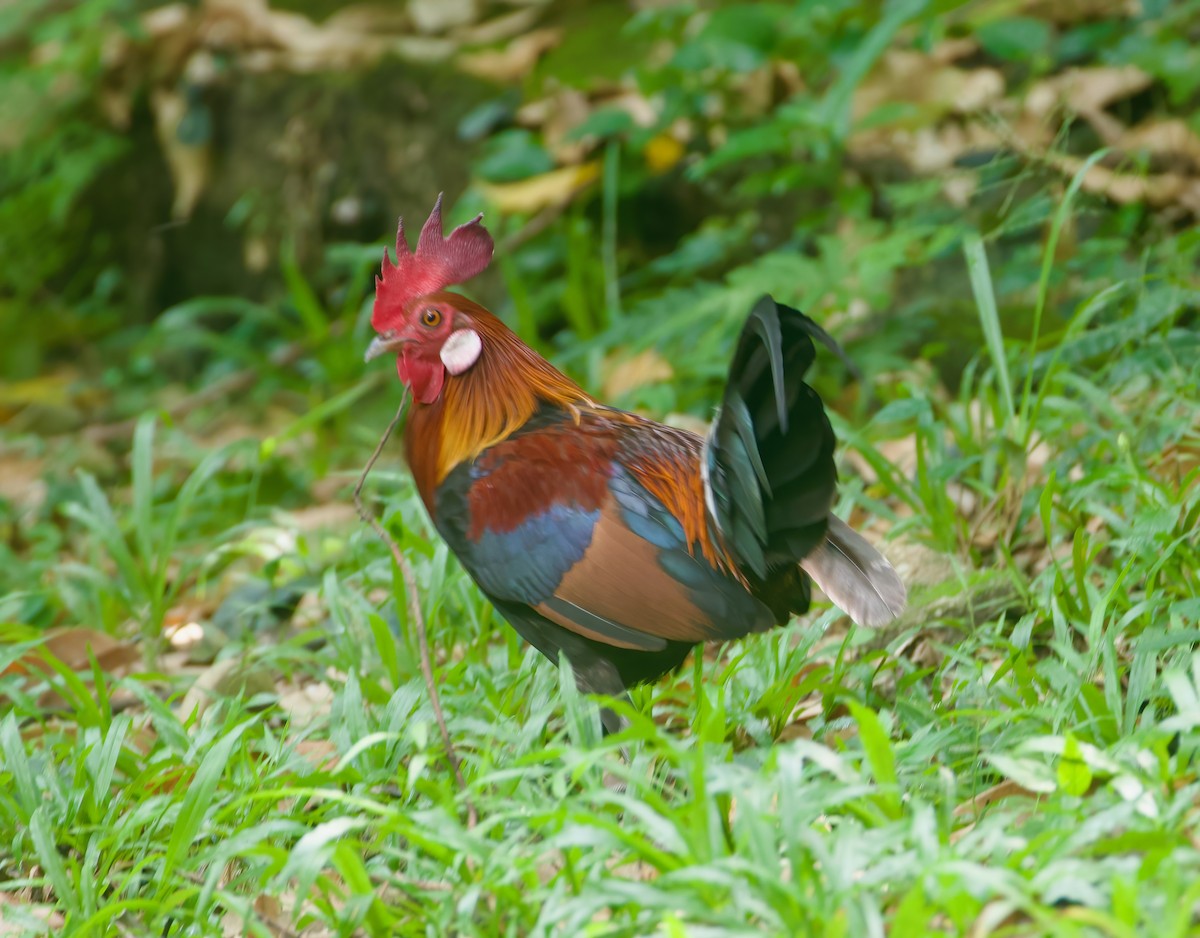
pixel 383 343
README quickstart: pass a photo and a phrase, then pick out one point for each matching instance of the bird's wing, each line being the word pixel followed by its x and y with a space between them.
pixel 572 521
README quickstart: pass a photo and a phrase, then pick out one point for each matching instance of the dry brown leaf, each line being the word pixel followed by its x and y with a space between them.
pixel 1170 139
pixel 910 77
pixel 1177 462
pixel 515 60
pixel 21 482
pixel 71 646
pixel 438 16
pixel 305 702
pixel 1159 190
pixel 934 150
pixel 499 28
pixel 548 190
pixel 163 22
pixel 1069 12
pixel 759 90
pixel 951 50
pixel 355 37
pixel 798 728
pixel 1085 89
pixel 225 678
pixel 189 164
pixel 558 115
pixel 1005 789
pixel 628 373
pixel 321 517
pixel 267 39
pixel 923 141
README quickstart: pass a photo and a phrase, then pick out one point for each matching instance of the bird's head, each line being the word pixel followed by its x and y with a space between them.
pixel 430 330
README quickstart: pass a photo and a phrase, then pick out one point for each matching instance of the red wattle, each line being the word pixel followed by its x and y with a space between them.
pixel 423 376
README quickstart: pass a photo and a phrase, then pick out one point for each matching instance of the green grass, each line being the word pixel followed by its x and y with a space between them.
pixel 806 781
pixel 1016 756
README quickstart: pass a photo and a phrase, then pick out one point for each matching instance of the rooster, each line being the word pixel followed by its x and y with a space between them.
pixel 600 535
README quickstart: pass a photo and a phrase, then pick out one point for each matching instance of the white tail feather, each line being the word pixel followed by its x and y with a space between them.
pixel 855 576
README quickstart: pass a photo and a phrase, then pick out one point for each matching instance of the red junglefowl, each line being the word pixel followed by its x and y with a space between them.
pixel 601 535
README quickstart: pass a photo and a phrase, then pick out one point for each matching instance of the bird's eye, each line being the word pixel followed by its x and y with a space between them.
pixel 431 317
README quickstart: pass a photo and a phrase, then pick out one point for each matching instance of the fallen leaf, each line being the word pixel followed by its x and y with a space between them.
pixel 303 703
pixel 71 646
pixel 1159 190
pixel 1070 12
pixel 1005 789
pixel 498 28
pixel 559 117
pixel 548 190
pixel 1085 89
pixel 926 90
pixel 189 164
pixel 909 77
pixel 515 61
pixel 321 517
pixel 556 117
pixel 21 482
pixel 1177 462
pixel 229 677
pixel 437 16
pixel 1170 140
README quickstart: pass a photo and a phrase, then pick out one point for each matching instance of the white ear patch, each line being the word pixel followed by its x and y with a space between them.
pixel 461 350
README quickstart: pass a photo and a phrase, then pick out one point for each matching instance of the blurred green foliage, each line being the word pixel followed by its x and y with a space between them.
pixel 766 192
pixel 54 145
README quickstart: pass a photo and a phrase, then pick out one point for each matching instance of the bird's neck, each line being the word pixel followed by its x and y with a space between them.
pixel 484 405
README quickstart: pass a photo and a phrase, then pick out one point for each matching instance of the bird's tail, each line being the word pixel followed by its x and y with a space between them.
pixel 770 479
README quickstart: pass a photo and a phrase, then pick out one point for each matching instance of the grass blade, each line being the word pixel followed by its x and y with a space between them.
pixel 989 317
pixel 198 802
pixel 880 756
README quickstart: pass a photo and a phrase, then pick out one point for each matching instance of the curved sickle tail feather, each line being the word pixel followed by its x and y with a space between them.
pixel 770 479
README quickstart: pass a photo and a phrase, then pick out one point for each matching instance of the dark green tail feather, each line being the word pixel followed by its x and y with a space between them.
pixel 753 458
pixel 771 479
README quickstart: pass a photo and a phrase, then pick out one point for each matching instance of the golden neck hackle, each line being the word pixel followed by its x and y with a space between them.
pixel 484 405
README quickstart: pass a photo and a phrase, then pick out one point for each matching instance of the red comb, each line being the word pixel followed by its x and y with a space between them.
pixel 438 262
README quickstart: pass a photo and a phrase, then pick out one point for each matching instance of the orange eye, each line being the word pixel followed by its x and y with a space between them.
pixel 431 317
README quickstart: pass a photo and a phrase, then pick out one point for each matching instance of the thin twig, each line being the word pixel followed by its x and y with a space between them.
pixel 414 611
